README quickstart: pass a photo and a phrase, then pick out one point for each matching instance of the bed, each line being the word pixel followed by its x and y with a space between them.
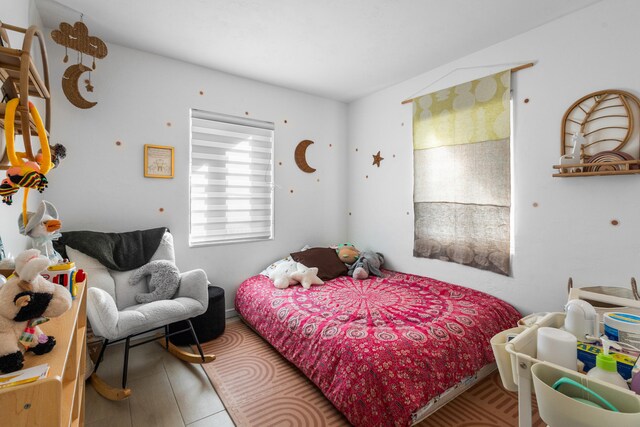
pixel 381 349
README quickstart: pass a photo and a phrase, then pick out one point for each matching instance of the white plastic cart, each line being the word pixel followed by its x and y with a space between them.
pixel 515 361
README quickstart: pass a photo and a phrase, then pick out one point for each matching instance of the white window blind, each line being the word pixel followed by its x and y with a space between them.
pixel 231 191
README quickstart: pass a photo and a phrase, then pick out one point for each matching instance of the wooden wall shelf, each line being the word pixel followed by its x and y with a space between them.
pixel 623 168
pixel 57 400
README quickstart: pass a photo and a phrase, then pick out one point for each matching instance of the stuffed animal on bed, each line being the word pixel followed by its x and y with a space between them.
pixel 367 263
pixel 26 300
pixel 347 253
pixel 291 273
pixel 163 283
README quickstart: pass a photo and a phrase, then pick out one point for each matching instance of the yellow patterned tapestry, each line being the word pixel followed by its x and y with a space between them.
pixel 462 178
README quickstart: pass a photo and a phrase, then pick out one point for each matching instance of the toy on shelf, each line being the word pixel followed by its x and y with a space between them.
pixel 42 226
pixel 24 300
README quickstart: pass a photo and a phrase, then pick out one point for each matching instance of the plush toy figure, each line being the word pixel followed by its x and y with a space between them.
pixel 43 227
pixel 368 263
pixel 164 281
pixel 291 273
pixel 347 253
pixel 24 300
pixel 307 276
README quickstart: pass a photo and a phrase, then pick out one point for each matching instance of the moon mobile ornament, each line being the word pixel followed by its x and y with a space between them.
pixel 301 156
pixel 70 80
pixel 77 37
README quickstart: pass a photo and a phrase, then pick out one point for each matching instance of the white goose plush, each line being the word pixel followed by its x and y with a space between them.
pixel 42 227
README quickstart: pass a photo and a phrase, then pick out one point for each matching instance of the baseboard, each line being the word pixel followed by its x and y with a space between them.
pixel 230 312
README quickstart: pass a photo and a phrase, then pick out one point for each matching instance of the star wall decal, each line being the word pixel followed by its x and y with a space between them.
pixel 377 158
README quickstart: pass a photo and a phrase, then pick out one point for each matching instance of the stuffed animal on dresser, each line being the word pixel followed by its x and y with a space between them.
pixel 27 300
pixel 43 227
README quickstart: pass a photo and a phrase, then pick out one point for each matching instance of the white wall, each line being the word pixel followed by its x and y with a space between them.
pixel 569 233
pixel 100 186
pixel 21 14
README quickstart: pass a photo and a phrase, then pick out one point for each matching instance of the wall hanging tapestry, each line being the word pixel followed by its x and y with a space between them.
pixel 462 179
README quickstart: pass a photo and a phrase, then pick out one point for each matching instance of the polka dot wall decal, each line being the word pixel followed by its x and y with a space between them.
pixel 285 121
pixel 246 113
pixel 318 180
pixel 526 100
pixel 535 204
pixel 394 156
pixel 366 176
pixel 349 213
pixel 614 222
pixel 291 191
pixel 280 163
pixel 201 92
pixel 161 210
pixel 330 145
pixel 168 124
pixel 356 149
pixel 118 143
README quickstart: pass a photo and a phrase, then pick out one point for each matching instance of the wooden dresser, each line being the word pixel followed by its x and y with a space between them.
pixel 57 400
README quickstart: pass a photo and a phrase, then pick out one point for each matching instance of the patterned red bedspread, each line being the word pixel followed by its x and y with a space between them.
pixel 381 348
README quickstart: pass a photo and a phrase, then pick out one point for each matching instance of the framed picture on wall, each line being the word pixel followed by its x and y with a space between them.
pixel 158 161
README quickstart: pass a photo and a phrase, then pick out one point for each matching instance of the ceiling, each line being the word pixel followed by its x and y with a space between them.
pixel 338 49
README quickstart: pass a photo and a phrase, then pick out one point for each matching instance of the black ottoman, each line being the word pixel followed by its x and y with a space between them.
pixel 208 325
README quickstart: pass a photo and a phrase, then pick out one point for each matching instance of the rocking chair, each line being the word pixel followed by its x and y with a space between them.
pixel 115 315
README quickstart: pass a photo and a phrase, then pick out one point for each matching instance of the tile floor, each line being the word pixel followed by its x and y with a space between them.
pixel 165 392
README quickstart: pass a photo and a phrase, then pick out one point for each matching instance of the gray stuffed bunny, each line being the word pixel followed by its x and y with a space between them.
pixel 368 262
pixel 164 282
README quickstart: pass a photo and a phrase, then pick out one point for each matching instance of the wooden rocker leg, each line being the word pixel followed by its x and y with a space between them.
pixel 104 389
pixel 195 337
pixel 108 392
pixel 186 356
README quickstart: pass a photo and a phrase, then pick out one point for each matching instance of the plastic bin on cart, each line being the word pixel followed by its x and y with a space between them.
pixel 503 359
pixel 560 409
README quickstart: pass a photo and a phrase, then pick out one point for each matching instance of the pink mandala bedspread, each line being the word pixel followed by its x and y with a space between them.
pixel 381 348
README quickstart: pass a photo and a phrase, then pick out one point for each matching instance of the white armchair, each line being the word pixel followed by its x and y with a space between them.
pixel 115 315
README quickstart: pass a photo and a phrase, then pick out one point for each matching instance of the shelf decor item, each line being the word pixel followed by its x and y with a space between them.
pixel 598 135
pixel 158 161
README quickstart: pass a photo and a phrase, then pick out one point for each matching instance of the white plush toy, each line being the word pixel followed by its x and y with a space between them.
pixel 291 273
pixel 27 300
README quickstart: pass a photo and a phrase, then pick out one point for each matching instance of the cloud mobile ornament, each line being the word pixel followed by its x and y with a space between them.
pixel 77 37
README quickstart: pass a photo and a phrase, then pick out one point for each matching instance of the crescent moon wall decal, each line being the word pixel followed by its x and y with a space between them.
pixel 70 86
pixel 301 156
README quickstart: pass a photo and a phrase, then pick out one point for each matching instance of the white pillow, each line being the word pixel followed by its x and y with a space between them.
pixel 267 271
pixel 97 274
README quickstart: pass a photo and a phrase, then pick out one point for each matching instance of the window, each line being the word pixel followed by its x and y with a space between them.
pixel 231 181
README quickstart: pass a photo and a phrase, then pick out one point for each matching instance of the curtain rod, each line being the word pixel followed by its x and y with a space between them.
pixel 513 70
